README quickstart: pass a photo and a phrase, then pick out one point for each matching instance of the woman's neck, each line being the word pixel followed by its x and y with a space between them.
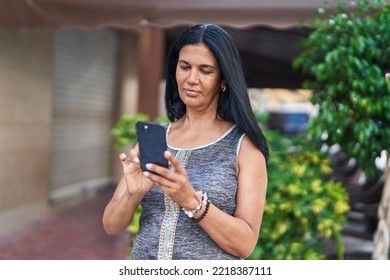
pixel 197 130
pixel 200 121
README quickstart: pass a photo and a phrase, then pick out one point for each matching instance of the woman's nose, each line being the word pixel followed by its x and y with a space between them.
pixel 193 77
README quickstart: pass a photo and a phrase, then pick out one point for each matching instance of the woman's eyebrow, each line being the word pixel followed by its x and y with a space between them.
pixel 207 66
pixel 183 61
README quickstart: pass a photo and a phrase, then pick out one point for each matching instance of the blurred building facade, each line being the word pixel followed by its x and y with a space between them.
pixel 58 99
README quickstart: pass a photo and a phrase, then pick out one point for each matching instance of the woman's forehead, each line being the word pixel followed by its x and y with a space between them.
pixel 197 53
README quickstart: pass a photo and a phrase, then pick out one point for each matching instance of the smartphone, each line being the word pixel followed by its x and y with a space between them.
pixel 152 143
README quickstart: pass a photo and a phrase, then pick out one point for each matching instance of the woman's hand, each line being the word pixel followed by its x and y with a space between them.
pixel 135 180
pixel 175 184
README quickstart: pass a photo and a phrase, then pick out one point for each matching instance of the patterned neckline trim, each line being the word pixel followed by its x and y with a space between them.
pixel 202 146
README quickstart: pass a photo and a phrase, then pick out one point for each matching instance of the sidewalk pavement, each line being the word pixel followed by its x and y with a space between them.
pixel 74 233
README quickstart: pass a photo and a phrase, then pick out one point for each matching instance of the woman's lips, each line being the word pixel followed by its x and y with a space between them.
pixel 190 92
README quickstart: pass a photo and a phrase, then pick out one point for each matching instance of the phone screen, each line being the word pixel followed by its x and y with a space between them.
pixel 152 143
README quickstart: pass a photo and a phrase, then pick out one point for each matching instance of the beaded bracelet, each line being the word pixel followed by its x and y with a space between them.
pixel 191 213
pixel 202 201
pixel 204 213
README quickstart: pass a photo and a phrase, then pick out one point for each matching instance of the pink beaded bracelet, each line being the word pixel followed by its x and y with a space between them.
pixel 202 198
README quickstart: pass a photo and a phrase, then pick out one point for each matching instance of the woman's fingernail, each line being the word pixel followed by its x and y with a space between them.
pixel 146 173
pixel 148 165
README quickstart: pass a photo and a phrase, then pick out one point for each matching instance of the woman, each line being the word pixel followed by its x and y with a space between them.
pixel 209 204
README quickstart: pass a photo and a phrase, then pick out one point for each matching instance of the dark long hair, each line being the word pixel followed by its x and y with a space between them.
pixel 233 104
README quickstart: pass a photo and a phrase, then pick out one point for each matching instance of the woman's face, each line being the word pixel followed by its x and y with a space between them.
pixel 198 77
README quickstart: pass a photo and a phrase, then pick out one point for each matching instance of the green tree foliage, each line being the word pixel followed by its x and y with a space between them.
pixel 347 57
pixel 304 211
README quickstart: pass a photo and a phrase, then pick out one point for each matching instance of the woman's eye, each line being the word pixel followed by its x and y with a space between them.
pixel 184 67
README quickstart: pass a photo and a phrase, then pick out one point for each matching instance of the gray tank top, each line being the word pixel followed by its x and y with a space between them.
pixel 165 232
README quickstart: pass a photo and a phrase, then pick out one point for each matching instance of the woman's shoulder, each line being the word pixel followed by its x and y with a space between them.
pixel 248 150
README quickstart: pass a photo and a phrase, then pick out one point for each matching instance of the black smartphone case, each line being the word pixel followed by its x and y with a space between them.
pixel 152 143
